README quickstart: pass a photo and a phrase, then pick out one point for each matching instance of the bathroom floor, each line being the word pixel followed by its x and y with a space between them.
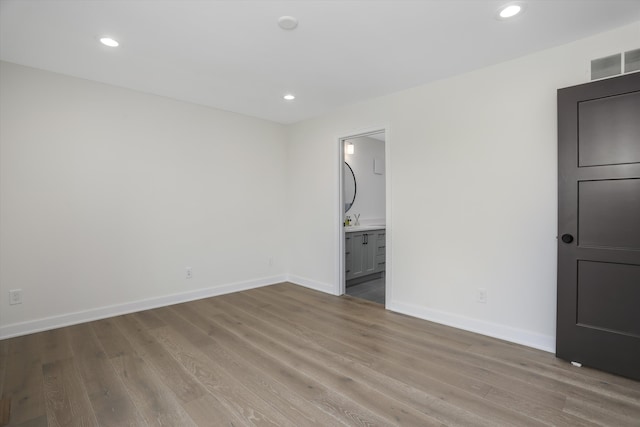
pixel 373 290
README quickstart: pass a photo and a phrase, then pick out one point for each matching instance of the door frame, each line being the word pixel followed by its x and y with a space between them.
pixel 340 284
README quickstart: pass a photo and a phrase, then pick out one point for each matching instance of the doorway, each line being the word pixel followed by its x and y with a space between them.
pixel 364 219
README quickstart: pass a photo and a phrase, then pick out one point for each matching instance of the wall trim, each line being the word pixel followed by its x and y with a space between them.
pixel 53 322
pixel 312 284
pixel 495 330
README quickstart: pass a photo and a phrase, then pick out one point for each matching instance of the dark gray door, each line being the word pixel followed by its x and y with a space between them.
pixel 598 320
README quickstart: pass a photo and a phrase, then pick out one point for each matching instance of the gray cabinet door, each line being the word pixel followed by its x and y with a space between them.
pixel 369 252
pixel 357 249
pixel 348 256
pixel 598 321
pixel 364 253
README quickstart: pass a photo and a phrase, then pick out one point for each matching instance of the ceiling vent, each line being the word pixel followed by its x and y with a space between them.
pixel 613 65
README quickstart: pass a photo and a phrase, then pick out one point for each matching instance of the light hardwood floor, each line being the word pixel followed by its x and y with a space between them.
pixel 288 356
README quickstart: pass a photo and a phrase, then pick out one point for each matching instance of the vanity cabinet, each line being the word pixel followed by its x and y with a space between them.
pixel 364 253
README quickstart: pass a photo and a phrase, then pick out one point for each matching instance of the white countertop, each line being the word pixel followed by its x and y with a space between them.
pixel 354 228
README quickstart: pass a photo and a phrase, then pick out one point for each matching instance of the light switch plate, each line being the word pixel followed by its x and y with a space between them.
pixel 378 166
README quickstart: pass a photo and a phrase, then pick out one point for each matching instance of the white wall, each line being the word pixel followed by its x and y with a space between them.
pixel 108 194
pixel 370 194
pixel 473 191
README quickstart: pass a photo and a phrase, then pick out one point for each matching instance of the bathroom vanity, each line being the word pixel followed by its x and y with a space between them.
pixel 364 251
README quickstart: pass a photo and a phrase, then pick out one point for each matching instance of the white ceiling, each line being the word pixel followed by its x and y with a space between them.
pixel 232 54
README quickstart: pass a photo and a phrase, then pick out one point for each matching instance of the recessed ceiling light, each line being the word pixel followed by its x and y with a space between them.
pixel 289 97
pixel 287 22
pixel 108 41
pixel 509 11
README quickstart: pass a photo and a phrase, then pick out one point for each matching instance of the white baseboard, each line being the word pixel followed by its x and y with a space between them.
pixel 495 330
pixel 518 336
pixel 312 284
pixel 38 325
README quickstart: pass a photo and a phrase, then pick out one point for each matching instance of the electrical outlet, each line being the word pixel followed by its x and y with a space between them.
pixel 189 272
pixel 15 296
pixel 482 295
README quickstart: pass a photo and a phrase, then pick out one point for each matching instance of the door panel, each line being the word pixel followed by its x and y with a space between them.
pixel 598 321
pixel 611 118
pixel 609 304
pixel 608 213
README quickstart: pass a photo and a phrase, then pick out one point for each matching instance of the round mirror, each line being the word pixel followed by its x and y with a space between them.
pixel 349 187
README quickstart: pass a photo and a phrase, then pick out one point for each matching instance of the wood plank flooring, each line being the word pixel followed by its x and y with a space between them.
pixel 284 355
pixel 371 290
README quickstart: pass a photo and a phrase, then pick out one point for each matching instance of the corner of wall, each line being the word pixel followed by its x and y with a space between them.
pixel 312 284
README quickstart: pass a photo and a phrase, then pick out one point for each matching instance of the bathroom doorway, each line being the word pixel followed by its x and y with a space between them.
pixel 364 235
